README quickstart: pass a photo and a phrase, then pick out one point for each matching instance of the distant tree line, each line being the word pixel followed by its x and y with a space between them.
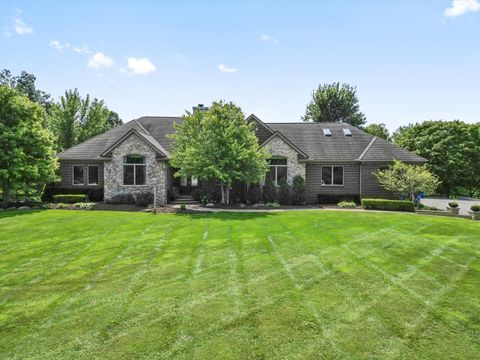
pixel 70 120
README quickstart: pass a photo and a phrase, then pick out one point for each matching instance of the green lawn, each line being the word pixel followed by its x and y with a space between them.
pixel 299 284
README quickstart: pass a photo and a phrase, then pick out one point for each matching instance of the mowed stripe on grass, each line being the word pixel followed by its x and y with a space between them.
pixel 238 285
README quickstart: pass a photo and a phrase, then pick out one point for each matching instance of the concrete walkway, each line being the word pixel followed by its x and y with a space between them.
pixel 442 203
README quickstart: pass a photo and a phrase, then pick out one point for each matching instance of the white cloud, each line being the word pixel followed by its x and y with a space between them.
pixel 141 66
pixel 21 28
pixel 82 50
pixel 225 69
pixel 99 61
pixel 59 46
pixel 268 38
pixel 460 7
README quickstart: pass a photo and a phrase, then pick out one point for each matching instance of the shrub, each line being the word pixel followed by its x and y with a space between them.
pixel 382 204
pixel 183 207
pixel 269 191
pixel 94 194
pixel 284 193
pixel 335 199
pixel 122 198
pixel 453 204
pixel 298 190
pixel 254 194
pixel 143 198
pixel 475 208
pixel 272 205
pixel 84 205
pixel 69 198
pixel 346 205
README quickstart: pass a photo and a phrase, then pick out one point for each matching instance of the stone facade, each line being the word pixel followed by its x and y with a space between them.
pixel 278 147
pixel 155 168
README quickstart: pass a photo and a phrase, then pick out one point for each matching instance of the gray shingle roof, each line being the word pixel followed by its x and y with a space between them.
pixel 311 139
pixel 308 137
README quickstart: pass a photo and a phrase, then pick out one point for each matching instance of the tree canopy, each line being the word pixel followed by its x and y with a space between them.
pixel 335 103
pixel 407 180
pixel 379 130
pixel 75 119
pixel 27 159
pixel 452 149
pixel 219 144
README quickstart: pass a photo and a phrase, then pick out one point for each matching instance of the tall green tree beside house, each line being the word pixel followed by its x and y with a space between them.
pixel 452 149
pixel 379 130
pixel 219 144
pixel 335 103
pixel 27 157
pixel 76 119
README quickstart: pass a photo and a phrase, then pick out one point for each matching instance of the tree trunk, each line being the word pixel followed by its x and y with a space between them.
pixel 223 193
pixel 6 194
pixel 227 194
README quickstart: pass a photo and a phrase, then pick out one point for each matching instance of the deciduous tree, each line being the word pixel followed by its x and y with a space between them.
pixel 379 130
pixel 335 103
pixel 27 158
pixel 219 144
pixel 452 149
pixel 407 180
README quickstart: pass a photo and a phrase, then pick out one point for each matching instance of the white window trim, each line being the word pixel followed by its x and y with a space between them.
pixel 276 172
pixel 134 171
pixel 331 167
pixel 73 174
pixel 88 175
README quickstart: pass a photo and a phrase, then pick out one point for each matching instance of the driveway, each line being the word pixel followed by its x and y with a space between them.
pixel 442 203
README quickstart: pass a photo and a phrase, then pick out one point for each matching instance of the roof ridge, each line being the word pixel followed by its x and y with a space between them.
pixel 364 152
pixel 141 126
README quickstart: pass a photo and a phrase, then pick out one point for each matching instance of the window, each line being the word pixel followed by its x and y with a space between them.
pixel 332 175
pixel 327 132
pixel 347 132
pixel 134 170
pixel 92 174
pixel 278 170
pixel 183 181
pixel 77 174
pixel 194 181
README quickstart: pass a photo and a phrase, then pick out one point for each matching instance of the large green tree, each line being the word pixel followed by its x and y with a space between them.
pixel 452 149
pixel 76 119
pixel 25 85
pixel 407 180
pixel 27 157
pixel 335 103
pixel 379 130
pixel 219 144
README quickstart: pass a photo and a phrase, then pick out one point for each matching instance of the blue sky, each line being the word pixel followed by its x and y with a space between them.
pixel 410 60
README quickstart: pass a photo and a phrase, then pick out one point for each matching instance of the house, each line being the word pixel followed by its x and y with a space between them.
pixel 333 158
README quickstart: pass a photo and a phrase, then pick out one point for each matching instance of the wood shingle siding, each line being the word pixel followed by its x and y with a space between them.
pixel 313 184
pixel 370 185
pixel 66 173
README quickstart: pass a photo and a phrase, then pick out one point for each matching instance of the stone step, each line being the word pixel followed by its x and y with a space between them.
pixel 182 201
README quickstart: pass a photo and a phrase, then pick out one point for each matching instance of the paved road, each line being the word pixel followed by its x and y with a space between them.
pixel 440 203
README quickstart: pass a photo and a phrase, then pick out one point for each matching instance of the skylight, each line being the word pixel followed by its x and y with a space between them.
pixel 327 132
pixel 347 132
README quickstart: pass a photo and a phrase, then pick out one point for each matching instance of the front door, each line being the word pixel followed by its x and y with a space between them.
pixel 187 185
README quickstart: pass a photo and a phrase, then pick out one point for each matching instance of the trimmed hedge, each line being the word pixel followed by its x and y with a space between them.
pixel 94 194
pixel 392 205
pixel 69 198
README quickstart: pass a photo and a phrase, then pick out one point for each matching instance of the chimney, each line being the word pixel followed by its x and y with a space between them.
pixel 199 107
